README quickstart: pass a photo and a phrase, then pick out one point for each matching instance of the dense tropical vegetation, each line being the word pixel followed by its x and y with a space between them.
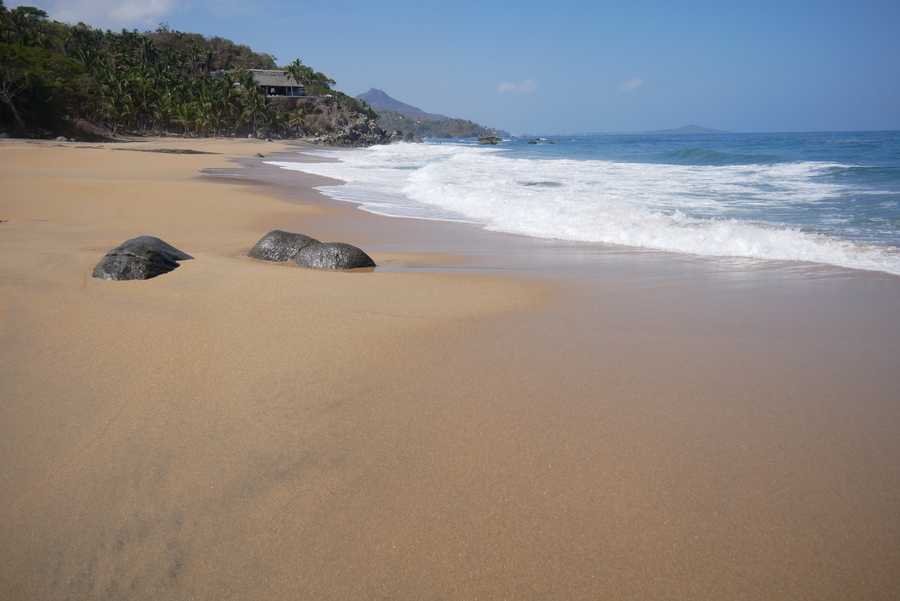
pixel 54 76
pixel 433 128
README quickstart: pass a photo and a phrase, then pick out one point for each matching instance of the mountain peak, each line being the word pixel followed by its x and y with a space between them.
pixel 380 101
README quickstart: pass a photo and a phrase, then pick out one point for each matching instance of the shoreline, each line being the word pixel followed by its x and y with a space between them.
pixel 483 415
pixel 494 250
pixel 778 233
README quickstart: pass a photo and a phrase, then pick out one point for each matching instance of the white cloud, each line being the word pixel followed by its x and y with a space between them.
pixel 135 14
pixel 110 13
pixel 529 85
pixel 632 85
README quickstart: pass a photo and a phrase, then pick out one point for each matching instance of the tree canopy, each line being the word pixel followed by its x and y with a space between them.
pixel 158 82
pixel 41 78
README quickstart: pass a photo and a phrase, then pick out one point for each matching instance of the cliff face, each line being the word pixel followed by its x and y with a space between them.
pixel 338 124
pixel 332 120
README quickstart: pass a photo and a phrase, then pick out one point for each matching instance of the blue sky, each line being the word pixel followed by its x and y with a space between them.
pixel 538 67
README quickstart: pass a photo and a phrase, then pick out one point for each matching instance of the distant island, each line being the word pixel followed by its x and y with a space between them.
pixel 396 115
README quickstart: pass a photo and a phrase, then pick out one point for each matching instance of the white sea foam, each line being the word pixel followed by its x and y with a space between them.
pixel 731 210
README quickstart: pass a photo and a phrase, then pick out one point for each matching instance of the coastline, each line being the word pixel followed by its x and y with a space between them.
pixel 482 416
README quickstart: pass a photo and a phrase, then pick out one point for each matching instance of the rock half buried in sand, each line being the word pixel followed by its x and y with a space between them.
pixel 140 258
pixel 279 246
pixel 332 255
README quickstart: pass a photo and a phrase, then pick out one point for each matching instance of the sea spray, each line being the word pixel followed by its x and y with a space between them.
pixel 790 197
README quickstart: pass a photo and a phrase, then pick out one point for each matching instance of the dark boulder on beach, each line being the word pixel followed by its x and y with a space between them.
pixel 140 258
pixel 279 246
pixel 332 255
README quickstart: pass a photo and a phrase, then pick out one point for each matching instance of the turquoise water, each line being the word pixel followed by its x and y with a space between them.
pixel 824 197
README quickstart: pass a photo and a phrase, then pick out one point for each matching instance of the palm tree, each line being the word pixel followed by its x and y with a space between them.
pixel 116 106
pixel 194 59
pixel 208 57
pixel 230 97
pixel 86 55
pixel 143 96
pixel 273 120
pixel 297 70
pixel 314 81
pixel 148 49
pixel 185 115
pixel 163 111
pixel 254 109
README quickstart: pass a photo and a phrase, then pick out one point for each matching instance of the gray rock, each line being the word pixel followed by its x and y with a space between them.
pixel 4 135
pixel 361 134
pixel 61 139
pixel 332 255
pixel 140 258
pixel 279 246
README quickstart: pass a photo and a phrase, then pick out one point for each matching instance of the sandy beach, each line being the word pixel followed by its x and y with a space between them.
pixel 480 417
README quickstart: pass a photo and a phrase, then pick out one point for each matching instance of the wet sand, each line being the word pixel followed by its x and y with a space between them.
pixel 481 417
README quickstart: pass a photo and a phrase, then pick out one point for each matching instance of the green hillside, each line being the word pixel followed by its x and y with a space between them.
pixel 57 78
pixel 432 128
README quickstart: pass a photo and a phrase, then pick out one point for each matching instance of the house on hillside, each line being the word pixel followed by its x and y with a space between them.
pixel 278 83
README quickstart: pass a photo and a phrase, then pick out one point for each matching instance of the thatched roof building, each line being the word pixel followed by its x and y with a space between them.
pixel 278 83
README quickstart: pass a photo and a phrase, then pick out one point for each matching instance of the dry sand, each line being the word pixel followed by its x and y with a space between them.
pixel 482 417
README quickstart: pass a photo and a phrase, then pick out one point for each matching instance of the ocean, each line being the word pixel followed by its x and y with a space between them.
pixel 831 198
